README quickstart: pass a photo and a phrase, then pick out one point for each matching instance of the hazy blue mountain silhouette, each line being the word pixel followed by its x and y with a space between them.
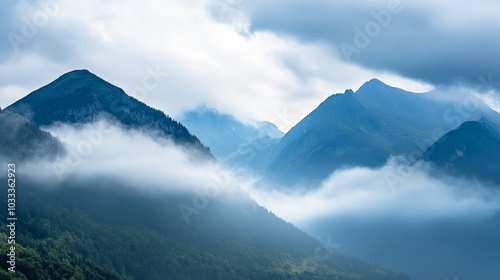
pixel 223 133
pixel 362 128
pixel 82 97
pixel 472 150
pixel 105 222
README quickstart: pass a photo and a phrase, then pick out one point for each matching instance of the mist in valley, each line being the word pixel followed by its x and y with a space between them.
pixel 402 216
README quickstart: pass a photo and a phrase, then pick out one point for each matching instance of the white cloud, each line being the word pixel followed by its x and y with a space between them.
pixel 11 94
pixel 491 99
pixel 253 76
pixel 102 154
pixel 104 150
pixel 396 190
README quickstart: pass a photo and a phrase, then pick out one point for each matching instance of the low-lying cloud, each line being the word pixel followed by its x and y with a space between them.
pixel 278 79
pixel 399 216
pixel 376 214
pixel 397 190
pixel 135 158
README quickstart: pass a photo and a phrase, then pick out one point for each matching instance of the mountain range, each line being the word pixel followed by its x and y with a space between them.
pixel 80 97
pixel 103 228
pixel 471 151
pixel 362 128
pixel 211 126
pixel 100 227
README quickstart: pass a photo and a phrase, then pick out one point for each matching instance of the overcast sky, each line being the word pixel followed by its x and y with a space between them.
pixel 273 60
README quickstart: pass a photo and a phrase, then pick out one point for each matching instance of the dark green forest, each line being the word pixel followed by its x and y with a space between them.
pixel 101 230
pixel 80 97
pixel 20 140
pixel 105 228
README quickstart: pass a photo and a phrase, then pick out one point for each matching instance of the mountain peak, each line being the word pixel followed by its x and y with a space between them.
pixel 81 84
pixel 77 75
pixel 375 81
pixel 73 97
pixel 373 84
pixel 483 124
pixel 79 71
pixel 211 126
pixel 81 97
pixel 471 151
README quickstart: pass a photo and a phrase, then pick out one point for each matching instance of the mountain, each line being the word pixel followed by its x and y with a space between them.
pixel 104 223
pixel 102 226
pixel 82 97
pixel 472 151
pixel 252 155
pixel 362 128
pixel 223 133
pixel 20 140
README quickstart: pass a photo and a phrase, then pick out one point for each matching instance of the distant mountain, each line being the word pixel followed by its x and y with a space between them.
pixel 472 150
pixel 101 227
pixel 82 97
pixel 252 155
pixel 223 133
pixel 20 140
pixel 362 128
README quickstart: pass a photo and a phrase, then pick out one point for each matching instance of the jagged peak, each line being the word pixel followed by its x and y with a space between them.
pixel 373 84
pixel 376 81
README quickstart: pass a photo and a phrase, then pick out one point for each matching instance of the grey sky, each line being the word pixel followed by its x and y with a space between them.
pixel 442 43
pixel 273 61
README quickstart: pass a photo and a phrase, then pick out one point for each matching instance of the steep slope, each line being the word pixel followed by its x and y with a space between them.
pixel 141 235
pixel 20 140
pixel 472 150
pixel 33 264
pixel 223 133
pixel 81 97
pixel 252 155
pixel 120 226
pixel 357 129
